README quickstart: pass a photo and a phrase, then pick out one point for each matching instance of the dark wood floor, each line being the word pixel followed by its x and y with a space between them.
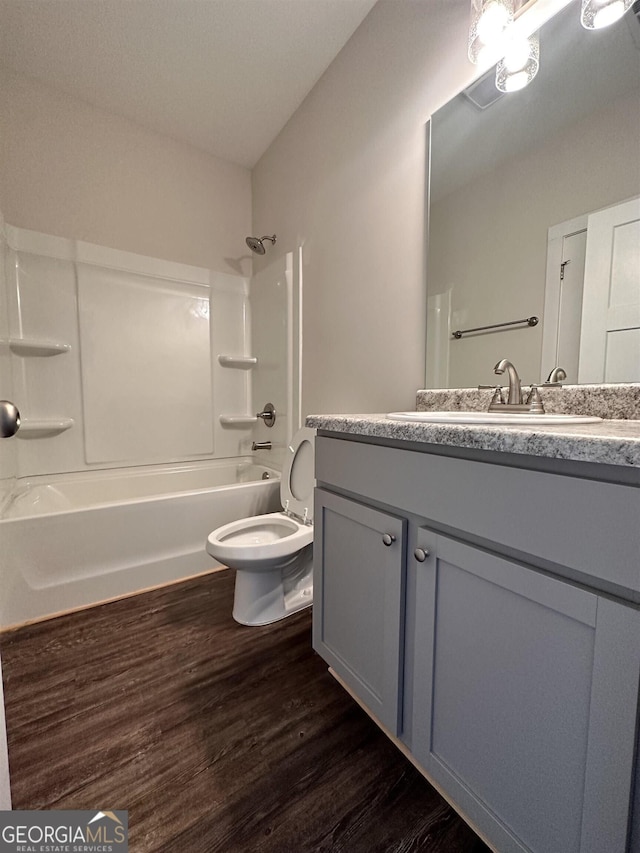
pixel 215 737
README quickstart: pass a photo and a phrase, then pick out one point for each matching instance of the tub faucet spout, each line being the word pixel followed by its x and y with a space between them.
pixel 261 445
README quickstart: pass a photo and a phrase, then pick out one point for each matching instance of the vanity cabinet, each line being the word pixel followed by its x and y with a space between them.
pixel 359 629
pixel 514 687
pixel 524 697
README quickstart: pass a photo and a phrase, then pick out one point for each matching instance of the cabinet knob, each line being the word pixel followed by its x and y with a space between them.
pixel 388 538
pixel 420 554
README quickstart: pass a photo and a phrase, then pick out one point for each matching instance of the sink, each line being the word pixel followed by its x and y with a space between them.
pixel 490 418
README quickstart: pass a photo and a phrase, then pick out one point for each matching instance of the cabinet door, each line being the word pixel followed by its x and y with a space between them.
pixel 525 700
pixel 358 600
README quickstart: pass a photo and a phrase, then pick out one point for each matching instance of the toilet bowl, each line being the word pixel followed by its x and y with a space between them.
pixel 273 553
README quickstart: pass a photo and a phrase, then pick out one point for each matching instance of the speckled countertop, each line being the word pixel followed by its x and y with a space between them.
pixel 613 441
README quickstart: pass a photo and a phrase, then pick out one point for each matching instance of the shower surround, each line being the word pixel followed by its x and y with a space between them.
pixel 138 380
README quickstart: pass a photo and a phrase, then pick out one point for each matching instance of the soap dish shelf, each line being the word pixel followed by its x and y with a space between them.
pixel 37 347
pixel 243 362
pixel 43 427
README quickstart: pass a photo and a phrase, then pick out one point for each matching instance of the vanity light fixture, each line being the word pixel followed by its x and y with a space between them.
pixel 600 13
pixel 519 65
pixel 496 37
pixel 489 22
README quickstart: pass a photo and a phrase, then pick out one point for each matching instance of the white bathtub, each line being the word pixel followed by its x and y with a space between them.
pixel 74 540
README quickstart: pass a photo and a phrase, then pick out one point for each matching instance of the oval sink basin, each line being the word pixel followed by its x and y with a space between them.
pixel 490 418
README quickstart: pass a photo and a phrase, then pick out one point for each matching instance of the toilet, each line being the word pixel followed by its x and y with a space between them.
pixel 273 553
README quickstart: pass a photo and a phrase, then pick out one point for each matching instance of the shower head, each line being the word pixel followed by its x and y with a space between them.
pixel 256 244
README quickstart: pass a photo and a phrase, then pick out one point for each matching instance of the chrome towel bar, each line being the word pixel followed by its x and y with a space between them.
pixel 530 321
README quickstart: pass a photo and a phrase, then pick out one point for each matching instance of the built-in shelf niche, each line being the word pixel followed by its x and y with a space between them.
pixel 43 427
pixel 241 362
pixel 37 347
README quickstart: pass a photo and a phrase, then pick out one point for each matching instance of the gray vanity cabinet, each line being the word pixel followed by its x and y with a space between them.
pixel 359 579
pixel 515 687
pixel 524 700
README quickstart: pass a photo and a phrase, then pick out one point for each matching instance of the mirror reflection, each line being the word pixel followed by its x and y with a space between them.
pixel 535 212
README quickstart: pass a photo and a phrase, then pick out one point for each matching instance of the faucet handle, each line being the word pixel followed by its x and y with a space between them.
pixel 497 392
pixel 556 377
pixel 497 399
pixel 268 414
pixel 534 401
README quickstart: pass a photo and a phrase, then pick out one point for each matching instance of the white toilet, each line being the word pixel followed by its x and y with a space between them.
pixel 273 553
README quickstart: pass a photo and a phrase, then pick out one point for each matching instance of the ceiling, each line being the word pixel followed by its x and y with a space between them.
pixel 223 75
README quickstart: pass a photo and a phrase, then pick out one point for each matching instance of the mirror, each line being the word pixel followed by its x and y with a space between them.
pixel 511 188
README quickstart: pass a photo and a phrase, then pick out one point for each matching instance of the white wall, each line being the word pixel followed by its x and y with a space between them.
pixel 346 180
pixel 69 169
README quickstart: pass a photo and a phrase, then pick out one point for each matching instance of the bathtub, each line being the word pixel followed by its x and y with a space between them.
pixel 75 540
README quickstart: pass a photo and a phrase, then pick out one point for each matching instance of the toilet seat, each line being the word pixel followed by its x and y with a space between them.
pixel 297 481
pixel 276 534
pixel 261 537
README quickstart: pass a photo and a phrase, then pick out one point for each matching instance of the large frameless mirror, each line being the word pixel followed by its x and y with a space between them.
pixel 535 213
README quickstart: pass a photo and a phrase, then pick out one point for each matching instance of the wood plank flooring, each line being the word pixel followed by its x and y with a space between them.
pixel 215 737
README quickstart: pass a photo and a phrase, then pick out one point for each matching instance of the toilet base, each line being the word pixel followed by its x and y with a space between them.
pixel 265 596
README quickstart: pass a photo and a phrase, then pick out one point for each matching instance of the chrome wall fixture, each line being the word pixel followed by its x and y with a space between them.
pixel 256 244
pixel 268 414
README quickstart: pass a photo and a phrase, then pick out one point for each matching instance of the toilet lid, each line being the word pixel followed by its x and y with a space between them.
pixel 297 482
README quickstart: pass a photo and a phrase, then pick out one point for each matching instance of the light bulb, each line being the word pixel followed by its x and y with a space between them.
pixel 489 21
pixel 516 56
pixel 597 14
pixel 519 65
pixel 489 55
pixel 516 81
pixel 609 15
pixel 493 20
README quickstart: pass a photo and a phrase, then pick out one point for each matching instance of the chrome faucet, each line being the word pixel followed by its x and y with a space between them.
pixel 515 386
pixel 515 402
pixel 261 445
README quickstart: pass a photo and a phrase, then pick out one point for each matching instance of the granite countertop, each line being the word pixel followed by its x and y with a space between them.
pixel 612 442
